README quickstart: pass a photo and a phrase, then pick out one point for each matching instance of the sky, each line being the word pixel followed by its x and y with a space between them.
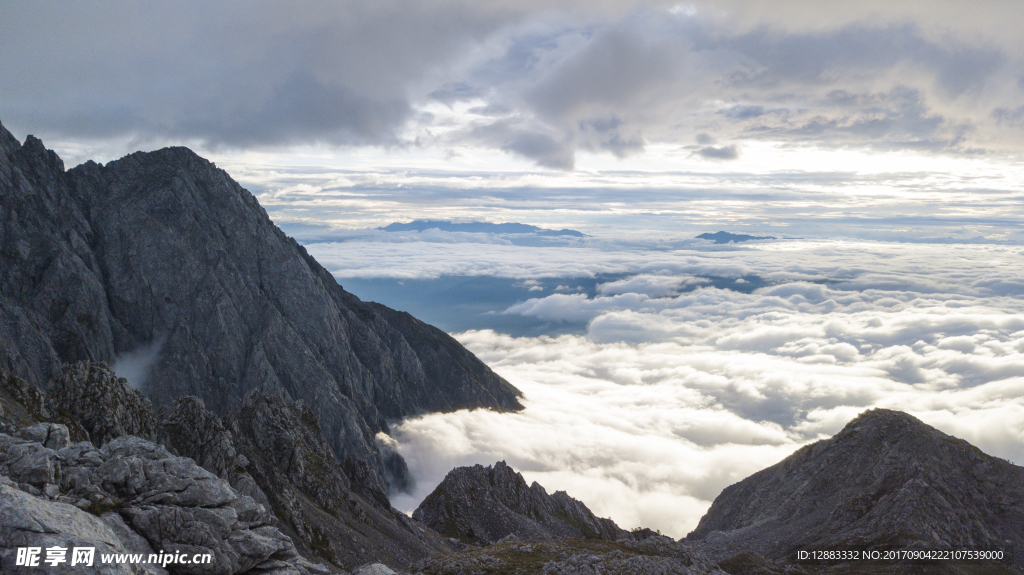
pixel 878 143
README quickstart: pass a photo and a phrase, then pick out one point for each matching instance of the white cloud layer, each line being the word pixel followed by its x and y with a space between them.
pixel 976 270
pixel 672 395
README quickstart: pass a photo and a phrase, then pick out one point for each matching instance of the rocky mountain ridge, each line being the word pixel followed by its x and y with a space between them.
pixel 487 504
pixel 164 250
pixel 886 481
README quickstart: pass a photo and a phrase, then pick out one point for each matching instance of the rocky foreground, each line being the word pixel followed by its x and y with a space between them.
pixel 128 496
pixel 262 486
pixel 197 483
pixel 655 555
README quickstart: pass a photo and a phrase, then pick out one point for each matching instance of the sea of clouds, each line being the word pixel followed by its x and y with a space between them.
pixel 677 388
pixel 657 368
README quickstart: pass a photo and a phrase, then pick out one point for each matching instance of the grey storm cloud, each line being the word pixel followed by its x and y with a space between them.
pixel 529 141
pixel 240 74
pixel 742 112
pixel 544 82
pixel 720 153
pixel 870 86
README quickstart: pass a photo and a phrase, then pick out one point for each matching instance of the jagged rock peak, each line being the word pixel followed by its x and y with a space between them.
pixel 886 480
pixel 486 504
pixel 34 149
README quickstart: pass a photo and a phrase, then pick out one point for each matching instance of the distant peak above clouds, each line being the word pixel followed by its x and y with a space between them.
pixel 726 237
pixel 478 227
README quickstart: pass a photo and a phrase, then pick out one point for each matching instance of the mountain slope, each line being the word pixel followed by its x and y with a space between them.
pixel 886 480
pixel 163 250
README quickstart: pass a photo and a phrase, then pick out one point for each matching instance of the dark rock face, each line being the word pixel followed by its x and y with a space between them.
pixel 164 247
pixel 328 515
pixel 22 405
pixel 486 504
pixel 189 430
pixel 104 403
pixel 886 480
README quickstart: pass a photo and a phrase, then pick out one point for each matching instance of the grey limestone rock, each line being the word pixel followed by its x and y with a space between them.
pixel 140 472
pixel 886 480
pixel 27 521
pixel 486 504
pixel 147 498
pixel 132 542
pixel 373 569
pixel 50 435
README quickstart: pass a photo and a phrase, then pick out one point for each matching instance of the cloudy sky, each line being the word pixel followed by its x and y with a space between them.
pixel 880 143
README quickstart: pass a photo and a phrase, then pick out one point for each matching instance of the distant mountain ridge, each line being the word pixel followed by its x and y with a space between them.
pixel 726 237
pixel 478 227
